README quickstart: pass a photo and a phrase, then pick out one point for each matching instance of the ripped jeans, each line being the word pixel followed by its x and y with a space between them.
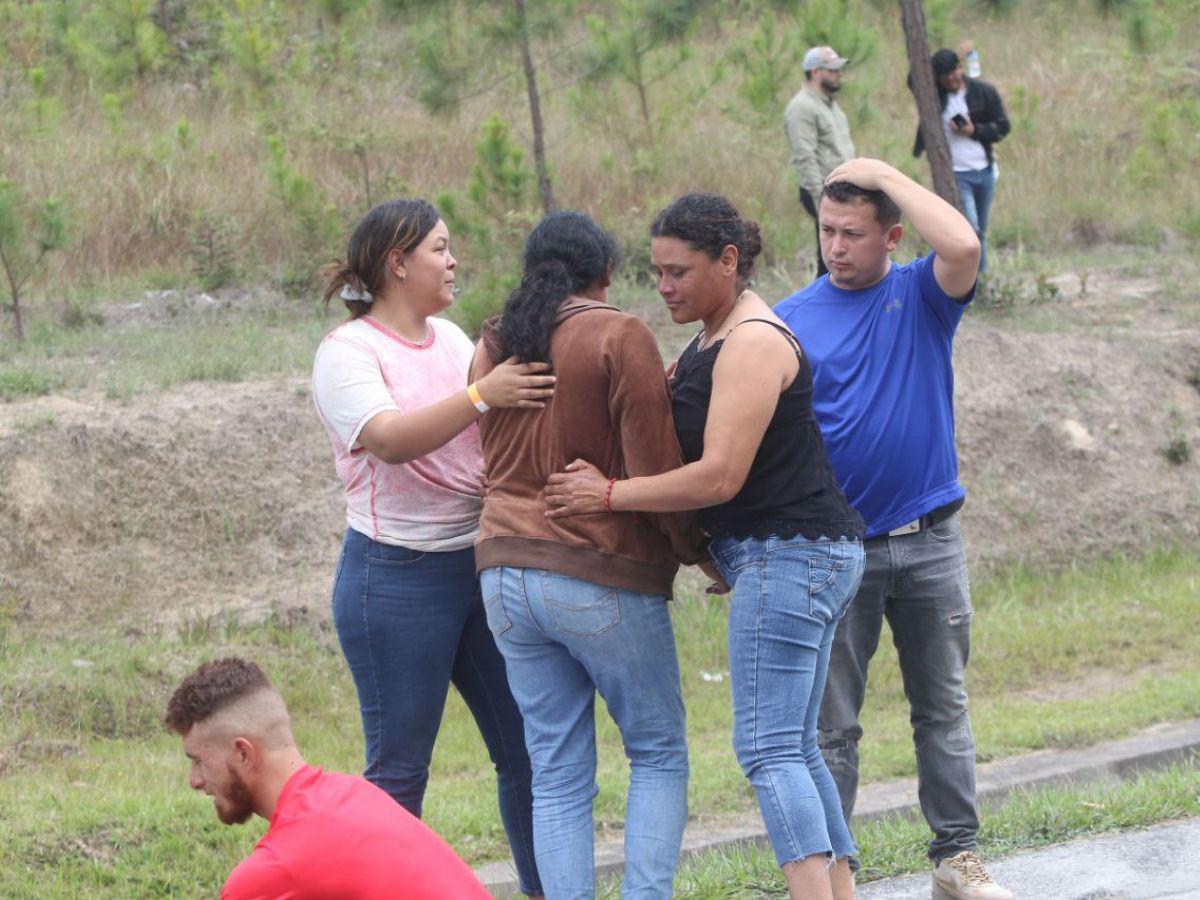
pixel 919 582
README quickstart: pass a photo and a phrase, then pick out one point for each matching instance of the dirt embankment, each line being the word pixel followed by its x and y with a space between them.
pixel 179 505
pixel 1070 447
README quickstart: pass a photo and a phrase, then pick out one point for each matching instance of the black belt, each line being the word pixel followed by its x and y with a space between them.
pixel 931 518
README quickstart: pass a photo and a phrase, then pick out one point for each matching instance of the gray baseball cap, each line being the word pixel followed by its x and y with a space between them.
pixel 823 58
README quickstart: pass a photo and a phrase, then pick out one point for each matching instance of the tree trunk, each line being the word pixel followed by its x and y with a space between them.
pixel 361 152
pixel 18 321
pixel 928 106
pixel 641 89
pixel 14 289
pixel 535 113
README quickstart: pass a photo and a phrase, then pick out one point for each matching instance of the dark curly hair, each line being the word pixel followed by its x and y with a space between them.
pixel 710 223
pixel 211 688
pixel 396 223
pixel 887 213
pixel 565 253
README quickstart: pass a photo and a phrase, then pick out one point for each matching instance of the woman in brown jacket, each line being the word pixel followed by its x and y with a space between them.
pixel 580 605
pixel 784 536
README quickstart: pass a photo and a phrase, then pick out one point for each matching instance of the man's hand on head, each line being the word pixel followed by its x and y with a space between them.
pixel 868 174
pixel 938 223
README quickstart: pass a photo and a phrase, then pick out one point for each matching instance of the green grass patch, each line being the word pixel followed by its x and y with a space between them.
pixel 897 845
pixel 18 383
pixel 94 796
pixel 132 358
pixel 179 338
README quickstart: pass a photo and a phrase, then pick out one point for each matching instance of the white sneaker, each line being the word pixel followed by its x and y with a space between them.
pixel 963 877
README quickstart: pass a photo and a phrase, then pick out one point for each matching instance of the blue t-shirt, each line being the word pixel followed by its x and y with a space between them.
pixel 883 389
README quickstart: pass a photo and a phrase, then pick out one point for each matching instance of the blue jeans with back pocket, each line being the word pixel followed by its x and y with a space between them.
pixel 788 596
pixel 564 640
pixel 411 623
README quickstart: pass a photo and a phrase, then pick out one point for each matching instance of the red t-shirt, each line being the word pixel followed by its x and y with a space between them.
pixel 339 836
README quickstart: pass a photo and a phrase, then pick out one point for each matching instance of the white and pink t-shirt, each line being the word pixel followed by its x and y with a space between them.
pixel 363 368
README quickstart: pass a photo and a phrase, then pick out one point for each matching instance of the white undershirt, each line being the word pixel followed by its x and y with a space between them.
pixel 966 153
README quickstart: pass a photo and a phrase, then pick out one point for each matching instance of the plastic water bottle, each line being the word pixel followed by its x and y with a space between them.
pixel 974 69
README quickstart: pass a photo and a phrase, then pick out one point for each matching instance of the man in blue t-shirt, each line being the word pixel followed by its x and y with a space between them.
pixel 879 338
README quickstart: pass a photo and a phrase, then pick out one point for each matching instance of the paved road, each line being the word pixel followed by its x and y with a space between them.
pixel 1161 863
pixel 1154 748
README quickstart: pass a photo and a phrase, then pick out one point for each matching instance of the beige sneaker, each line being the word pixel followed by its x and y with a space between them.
pixel 963 877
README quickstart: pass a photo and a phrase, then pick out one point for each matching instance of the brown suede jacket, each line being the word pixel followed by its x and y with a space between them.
pixel 611 407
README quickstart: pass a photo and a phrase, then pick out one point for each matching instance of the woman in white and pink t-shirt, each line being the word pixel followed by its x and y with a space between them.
pixel 390 386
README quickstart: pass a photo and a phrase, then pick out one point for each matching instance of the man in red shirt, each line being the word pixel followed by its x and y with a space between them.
pixel 331 835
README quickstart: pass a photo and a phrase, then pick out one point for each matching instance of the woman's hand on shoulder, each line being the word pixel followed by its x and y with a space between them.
pixel 513 383
pixel 578 490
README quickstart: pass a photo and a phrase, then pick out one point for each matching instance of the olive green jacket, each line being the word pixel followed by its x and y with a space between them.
pixel 819 135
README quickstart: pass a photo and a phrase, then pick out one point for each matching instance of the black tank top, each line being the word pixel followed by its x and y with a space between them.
pixel 791 488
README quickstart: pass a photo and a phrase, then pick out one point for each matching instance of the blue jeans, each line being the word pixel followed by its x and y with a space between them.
pixel 563 640
pixel 919 583
pixel 411 624
pixel 976 190
pixel 788 596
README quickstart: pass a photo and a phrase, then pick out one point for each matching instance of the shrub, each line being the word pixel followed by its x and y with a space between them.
pixel 1002 293
pixel 498 212
pixel 311 221
pixel 213 258
pixel 21 255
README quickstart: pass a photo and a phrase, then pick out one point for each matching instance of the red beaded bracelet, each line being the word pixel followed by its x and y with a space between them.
pixel 608 495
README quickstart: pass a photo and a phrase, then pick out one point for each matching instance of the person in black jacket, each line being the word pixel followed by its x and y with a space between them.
pixel 974 119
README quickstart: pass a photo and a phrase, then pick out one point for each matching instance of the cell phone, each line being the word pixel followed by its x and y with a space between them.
pixel 959 119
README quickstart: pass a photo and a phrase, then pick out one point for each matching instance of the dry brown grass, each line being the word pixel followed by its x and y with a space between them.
pixel 1088 164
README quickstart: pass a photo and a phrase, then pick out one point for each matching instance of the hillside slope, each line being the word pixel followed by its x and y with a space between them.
pixel 172 507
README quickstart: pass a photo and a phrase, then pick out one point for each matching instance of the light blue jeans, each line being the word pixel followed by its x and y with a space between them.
pixel 563 640
pixel 976 190
pixel 788 596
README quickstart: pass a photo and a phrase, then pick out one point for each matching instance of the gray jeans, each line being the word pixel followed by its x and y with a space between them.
pixel 919 582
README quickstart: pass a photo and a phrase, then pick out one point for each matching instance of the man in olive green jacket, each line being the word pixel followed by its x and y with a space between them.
pixel 817 130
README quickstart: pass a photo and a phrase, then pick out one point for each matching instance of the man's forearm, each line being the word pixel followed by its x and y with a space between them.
pixel 938 223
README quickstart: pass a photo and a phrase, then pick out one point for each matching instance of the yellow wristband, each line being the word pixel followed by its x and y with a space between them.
pixel 474 396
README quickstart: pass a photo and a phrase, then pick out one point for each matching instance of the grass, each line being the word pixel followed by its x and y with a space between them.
pixel 897 845
pixel 26 382
pixel 1115 293
pixel 174 339
pixel 1122 113
pixel 93 795
pixel 139 356
pixel 173 343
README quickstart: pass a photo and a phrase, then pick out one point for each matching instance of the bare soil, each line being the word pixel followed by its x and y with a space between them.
pixel 217 500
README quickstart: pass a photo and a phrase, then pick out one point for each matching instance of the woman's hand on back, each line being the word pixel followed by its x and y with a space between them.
pixel 518 384
pixel 719 585
pixel 576 491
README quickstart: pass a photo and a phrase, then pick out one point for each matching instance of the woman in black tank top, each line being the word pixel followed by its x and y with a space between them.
pixel 783 536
